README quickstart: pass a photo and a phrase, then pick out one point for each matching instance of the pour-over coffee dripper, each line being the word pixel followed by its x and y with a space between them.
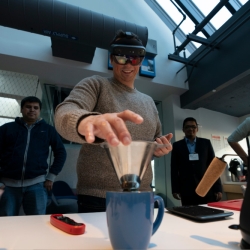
pixel 130 162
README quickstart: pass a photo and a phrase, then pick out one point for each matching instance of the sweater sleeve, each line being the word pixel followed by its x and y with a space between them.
pixel 76 106
pixel 241 132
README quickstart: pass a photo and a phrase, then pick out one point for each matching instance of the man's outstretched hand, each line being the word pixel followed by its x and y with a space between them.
pixel 110 127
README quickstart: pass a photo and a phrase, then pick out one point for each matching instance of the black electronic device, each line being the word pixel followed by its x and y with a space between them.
pixel 67 220
pixel 199 213
pixel 118 49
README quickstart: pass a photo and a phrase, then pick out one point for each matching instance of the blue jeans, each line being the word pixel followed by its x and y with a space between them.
pixel 33 198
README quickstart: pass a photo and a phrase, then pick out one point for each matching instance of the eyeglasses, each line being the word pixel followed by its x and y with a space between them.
pixel 124 59
pixel 190 126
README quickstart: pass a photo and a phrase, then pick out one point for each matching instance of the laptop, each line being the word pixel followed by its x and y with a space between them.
pixel 199 213
pixel 229 204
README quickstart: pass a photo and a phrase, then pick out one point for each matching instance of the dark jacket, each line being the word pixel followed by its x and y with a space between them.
pixel 24 152
pixel 186 174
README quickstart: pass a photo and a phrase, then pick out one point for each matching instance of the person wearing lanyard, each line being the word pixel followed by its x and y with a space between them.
pixel 190 159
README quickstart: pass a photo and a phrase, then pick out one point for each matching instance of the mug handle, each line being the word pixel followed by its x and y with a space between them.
pixel 160 214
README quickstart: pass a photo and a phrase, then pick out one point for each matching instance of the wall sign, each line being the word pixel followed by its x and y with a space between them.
pixel 148 67
pixel 109 62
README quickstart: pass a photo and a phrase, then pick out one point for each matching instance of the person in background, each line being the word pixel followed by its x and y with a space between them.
pixel 241 132
pixel 109 109
pixel 190 159
pixel 24 171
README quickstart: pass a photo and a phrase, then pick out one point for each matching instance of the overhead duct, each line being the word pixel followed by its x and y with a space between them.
pixel 75 32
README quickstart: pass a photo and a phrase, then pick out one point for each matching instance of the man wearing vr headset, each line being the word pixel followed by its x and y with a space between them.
pixel 109 109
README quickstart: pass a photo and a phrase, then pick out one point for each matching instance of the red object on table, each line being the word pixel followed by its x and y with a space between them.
pixel 229 204
pixel 66 224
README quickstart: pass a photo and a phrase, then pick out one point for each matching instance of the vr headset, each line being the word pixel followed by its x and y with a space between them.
pixel 119 49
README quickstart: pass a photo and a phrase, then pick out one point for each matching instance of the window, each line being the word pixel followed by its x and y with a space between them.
pixel 172 11
pixel 207 6
pixel 10 109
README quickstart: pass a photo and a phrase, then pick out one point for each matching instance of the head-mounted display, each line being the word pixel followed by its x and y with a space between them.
pixel 124 59
pixel 119 49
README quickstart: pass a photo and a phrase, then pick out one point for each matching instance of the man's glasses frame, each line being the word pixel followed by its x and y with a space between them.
pixel 190 126
pixel 124 59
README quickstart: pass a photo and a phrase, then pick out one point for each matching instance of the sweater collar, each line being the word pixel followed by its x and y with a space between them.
pixel 123 86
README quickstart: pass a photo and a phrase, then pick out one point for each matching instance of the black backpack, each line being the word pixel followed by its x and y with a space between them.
pixel 233 165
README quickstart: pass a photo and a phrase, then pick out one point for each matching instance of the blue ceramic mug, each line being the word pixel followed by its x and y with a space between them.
pixel 130 218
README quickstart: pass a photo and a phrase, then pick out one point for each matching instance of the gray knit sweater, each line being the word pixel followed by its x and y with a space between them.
pixel 241 132
pixel 99 95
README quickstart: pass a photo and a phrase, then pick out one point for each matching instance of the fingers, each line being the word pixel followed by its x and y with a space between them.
pixel 177 196
pixel 166 140
pixel 122 132
pixel 128 115
pixel 48 185
pixel 110 127
pixel 102 129
pixel 218 196
pixel 98 126
pixel 89 134
pixel 168 136
pixel 118 124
